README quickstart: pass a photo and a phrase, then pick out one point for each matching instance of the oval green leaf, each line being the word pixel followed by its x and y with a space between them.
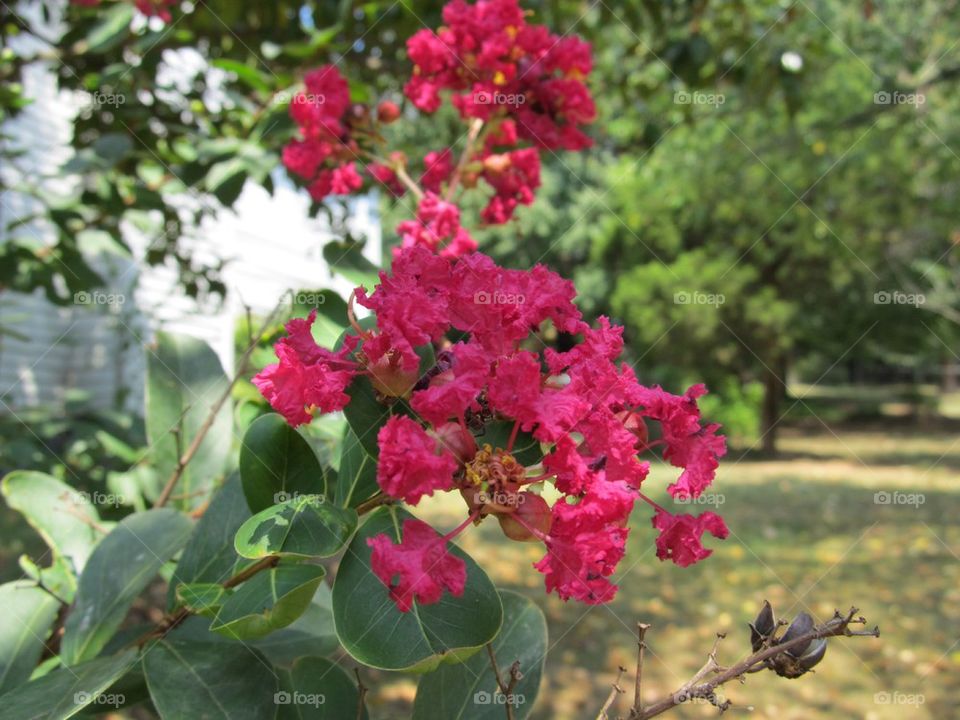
pixel 277 463
pixel 268 601
pixel 120 568
pixel 376 633
pixel 64 692
pixel 306 526
pixel 357 477
pixel 317 689
pixel 184 380
pixel 205 681
pixel 469 691
pixel 29 613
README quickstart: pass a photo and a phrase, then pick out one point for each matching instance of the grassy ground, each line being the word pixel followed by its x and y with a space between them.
pixel 807 534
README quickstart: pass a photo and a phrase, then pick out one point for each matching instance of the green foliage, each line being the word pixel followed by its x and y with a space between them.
pixel 64 692
pixel 427 636
pixel 268 601
pixel 184 381
pixel 195 679
pixel 30 613
pixel 306 526
pixel 276 463
pixel 117 572
pixel 469 690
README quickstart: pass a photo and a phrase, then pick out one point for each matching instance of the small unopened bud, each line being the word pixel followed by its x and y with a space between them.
pixel 390 378
pixel 533 511
pixel 387 112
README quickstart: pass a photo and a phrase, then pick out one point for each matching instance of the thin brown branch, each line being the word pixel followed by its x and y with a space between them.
pixel 505 689
pixel 373 503
pixel 476 125
pixel 638 681
pixel 172 620
pixel 361 693
pixel 697 687
pixel 614 691
pixel 184 458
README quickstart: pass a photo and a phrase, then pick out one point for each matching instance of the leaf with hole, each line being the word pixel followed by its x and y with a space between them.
pixel 306 526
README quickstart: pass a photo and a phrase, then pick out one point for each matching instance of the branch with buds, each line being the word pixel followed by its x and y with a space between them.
pixel 790 654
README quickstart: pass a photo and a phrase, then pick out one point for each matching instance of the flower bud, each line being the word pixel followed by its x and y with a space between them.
pixel 387 112
pixel 534 511
pixel 389 377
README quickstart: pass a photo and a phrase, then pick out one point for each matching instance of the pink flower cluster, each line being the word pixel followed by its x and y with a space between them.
pixel 325 155
pixel 588 411
pixel 521 88
pixel 495 64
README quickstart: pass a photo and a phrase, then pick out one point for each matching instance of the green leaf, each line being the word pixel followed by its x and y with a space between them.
pixel 268 601
pixel 119 569
pixel 469 691
pixel 203 681
pixel 64 692
pixel 277 463
pixel 346 258
pixel 250 76
pixel 64 518
pixel 209 556
pixel 310 634
pixel 184 380
pixel 318 689
pixel 204 599
pixel 29 614
pixel 111 30
pixel 376 633
pixel 365 414
pixel 307 526
pixel 357 477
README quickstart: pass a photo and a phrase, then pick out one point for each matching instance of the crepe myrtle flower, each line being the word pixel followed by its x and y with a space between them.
pixel 582 416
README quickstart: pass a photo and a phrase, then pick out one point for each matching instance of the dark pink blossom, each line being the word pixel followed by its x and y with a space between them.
pixel 412 464
pixel 418 568
pixel 681 536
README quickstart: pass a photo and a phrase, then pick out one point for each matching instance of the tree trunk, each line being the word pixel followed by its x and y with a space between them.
pixel 773 392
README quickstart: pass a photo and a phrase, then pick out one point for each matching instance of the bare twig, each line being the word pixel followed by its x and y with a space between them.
pixel 614 691
pixel 184 458
pixel 361 693
pixel 476 125
pixel 637 686
pixel 505 689
pixel 700 687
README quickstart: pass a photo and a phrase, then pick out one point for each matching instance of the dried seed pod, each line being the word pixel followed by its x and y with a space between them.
pixel 814 654
pixel 763 626
pixel 801 625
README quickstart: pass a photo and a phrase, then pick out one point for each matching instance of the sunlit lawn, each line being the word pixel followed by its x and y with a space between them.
pixel 807 535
